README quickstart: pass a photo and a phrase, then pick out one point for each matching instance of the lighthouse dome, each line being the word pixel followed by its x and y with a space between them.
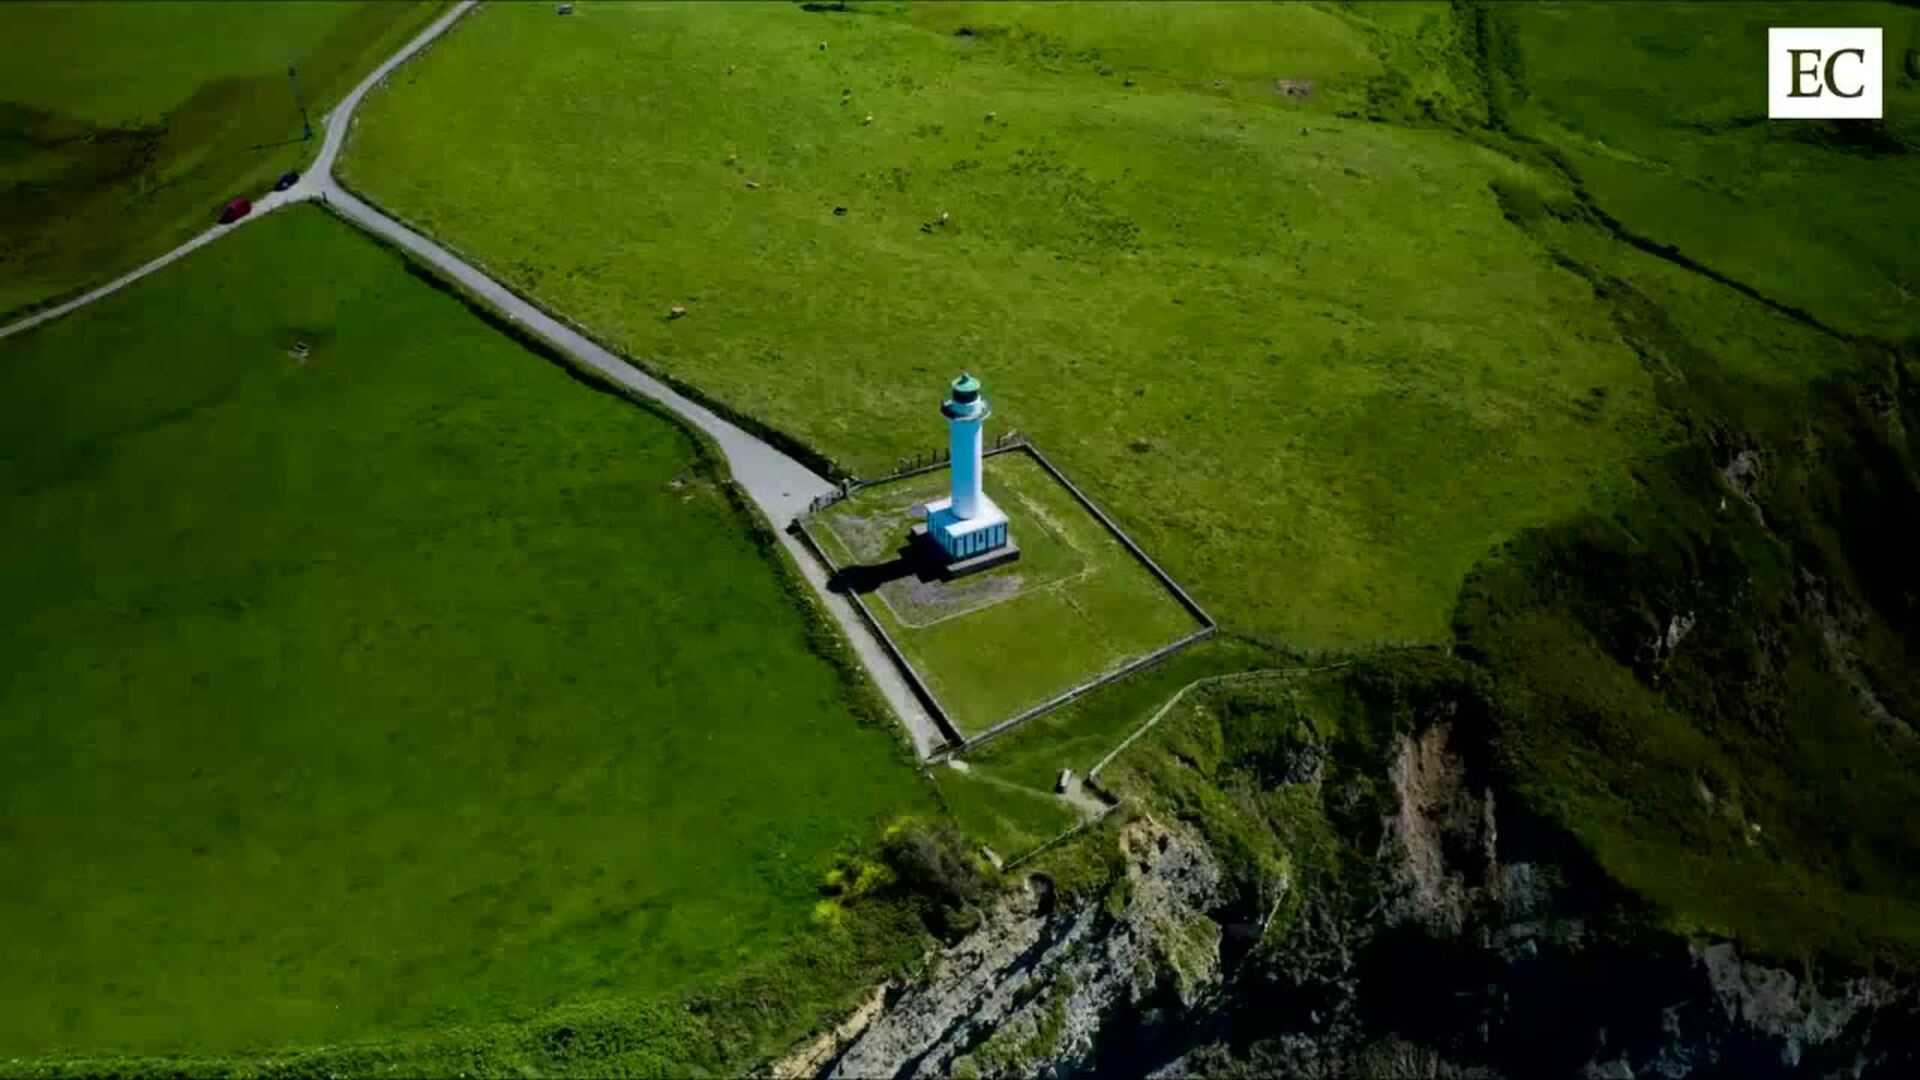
pixel 964 401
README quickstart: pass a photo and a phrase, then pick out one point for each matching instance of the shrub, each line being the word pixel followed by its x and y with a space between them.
pixel 932 861
pixel 932 858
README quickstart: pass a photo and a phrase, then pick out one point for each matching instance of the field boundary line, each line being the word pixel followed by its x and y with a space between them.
pixel 1052 586
pixel 851 484
pixel 920 689
pixel 1204 680
pixel 964 744
pixel 1020 789
pixel 1208 626
pixel 1075 693
pixel 1042 849
pixel 1120 534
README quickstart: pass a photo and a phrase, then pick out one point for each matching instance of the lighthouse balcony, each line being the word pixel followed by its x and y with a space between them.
pixel 970 544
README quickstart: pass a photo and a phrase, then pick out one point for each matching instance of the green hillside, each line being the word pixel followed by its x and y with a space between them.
pixel 124 126
pixel 401 684
pixel 1300 354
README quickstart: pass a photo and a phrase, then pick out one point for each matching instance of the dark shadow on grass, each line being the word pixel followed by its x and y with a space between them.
pixel 918 558
pixel 295 141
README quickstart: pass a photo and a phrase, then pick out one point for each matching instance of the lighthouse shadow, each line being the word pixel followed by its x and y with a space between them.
pixel 918 558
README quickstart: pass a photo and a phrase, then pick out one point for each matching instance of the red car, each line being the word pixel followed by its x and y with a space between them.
pixel 235 210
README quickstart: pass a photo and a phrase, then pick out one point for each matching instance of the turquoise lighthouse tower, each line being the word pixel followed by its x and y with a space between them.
pixel 966 410
pixel 970 531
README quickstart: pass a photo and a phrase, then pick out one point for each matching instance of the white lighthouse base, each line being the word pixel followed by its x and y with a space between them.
pixel 972 544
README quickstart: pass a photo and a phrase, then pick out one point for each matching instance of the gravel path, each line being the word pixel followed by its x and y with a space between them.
pixel 780 486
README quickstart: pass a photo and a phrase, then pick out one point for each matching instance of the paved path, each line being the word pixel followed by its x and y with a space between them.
pixel 260 206
pixel 780 486
pixel 317 179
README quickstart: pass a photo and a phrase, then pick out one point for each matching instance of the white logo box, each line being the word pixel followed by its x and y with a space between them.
pixel 1824 73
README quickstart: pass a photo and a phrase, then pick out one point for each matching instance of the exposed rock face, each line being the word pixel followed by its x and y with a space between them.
pixel 1742 474
pixel 1442 838
pixel 1842 626
pixel 1030 990
pixel 1460 965
pixel 815 1056
pixel 1774 1002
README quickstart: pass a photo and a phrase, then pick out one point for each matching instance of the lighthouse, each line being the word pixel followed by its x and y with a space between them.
pixel 966 410
pixel 970 531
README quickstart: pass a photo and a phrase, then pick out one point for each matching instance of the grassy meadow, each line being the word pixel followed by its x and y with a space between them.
pixel 1006 797
pixel 408 706
pixel 1074 605
pixel 1302 355
pixel 406 684
pixel 1012 819
pixel 1654 107
pixel 124 126
pixel 1079 734
pixel 1372 320
pixel 1757 779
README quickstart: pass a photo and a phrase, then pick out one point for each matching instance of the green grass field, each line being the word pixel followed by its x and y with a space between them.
pixel 411 684
pixel 1079 734
pixel 124 126
pixel 1013 819
pixel 417 686
pixel 1655 106
pixel 1005 796
pixel 1323 345
pixel 1318 374
pixel 1075 605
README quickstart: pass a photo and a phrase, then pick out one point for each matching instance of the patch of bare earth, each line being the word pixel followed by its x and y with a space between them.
pixel 1441 838
pixel 919 601
pixel 814 1056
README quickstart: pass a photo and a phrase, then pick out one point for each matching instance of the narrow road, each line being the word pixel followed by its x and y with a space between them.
pixel 270 201
pixel 317 179
pixel 780 486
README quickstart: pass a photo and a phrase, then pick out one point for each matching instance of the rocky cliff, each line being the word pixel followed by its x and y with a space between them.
pixel 1436 952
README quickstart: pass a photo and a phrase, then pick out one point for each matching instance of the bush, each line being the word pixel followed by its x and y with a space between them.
pixel 932 861
pixel 1525 205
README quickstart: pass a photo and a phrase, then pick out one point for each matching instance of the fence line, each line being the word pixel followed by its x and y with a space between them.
pixel 1120 534
pixel 1081 690
pixel 1208 626
pixel 936 460
pixel 1204 680
pixel 920 689
pixel 918 464
pixel 1008 442
pixel 1042 849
